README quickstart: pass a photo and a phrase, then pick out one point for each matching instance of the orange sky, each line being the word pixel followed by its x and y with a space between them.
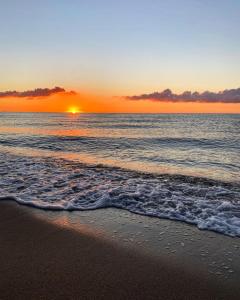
pixel 109 48
pixel 87 102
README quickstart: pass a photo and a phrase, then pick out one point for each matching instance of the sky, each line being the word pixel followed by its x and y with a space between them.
pixel 106 50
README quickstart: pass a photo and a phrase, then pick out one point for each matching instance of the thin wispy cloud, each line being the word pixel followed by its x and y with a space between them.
pixel 226 96
pixel 39 92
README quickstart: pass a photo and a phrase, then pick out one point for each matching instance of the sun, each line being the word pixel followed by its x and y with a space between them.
pixel 73 110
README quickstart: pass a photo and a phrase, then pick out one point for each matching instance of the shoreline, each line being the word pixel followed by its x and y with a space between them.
pixel 57 255
pixel 59 184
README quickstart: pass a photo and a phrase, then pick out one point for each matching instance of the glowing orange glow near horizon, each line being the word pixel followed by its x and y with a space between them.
pixel 86 102
pixel 74 110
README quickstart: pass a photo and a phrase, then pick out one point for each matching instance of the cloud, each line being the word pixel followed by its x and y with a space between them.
pixel 226 96
pixel 39 92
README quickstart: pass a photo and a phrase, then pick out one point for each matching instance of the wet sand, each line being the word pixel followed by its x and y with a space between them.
pixel 43 260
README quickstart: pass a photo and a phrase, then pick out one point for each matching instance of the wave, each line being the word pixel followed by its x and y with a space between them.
pixel 123 142
pixel 58 184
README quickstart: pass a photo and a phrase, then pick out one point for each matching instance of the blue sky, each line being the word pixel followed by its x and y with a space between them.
pixel 120 47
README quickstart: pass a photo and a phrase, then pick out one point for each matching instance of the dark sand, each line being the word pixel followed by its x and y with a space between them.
pixel 40 260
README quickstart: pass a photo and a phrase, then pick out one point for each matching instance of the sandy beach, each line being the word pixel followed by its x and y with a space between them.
pixel 44 260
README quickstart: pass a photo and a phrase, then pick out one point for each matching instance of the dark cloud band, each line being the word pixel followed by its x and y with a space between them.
pixel 226 96
pixel 32 93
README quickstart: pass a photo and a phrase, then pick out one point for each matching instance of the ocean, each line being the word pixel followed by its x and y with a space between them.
pixel 182 167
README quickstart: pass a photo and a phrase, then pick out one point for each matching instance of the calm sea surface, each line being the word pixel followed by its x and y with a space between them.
pixel 202 145
pixel 183 166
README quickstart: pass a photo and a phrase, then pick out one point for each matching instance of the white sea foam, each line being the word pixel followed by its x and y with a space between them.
pixel 58 184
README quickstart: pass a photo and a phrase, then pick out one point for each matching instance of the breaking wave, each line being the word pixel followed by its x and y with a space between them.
pixel 59 184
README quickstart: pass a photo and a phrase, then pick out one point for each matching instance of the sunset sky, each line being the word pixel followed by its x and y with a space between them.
pixel 101 53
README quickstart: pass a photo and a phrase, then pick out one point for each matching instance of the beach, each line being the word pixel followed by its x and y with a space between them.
pixel 119 150
pixel 57 255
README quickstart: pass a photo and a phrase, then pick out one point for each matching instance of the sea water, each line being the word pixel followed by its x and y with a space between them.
pixel 183 167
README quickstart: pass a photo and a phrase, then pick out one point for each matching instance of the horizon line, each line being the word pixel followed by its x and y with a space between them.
pixel 126 113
